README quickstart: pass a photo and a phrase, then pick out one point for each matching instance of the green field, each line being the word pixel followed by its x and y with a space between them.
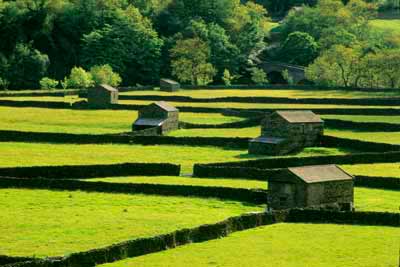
pixel 362 118
pixel 171 180
pixel 366 199
pixel 285 245
pixel 87 121
pixel 379 169
pixel 44 223
pixel 390 26
pixel 380 137
pixel 254 105
pixel 307 93
pixel 31 154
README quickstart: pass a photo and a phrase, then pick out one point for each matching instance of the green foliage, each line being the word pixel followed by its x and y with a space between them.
pixel 258 76
pixel 286 75
pixel 190 62
pixel 299 48
pixel 130 46
pixel 351 67
pixel 26 66
pixel 79 78
pixel 227 78
pixel 48 83
pixel 4 84
pixel 105 75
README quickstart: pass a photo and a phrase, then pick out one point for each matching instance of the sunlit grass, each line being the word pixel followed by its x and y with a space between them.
pixel 285 245
pixel 49 223
pixel 361 118
pixel 87 121
pixel 378 169
pixel 380 137
pixel 307 93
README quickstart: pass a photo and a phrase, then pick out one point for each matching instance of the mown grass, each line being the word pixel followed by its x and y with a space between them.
pixel 366 199
pixel 362 118
pixel 87 121
pixel 285 245
pixel 309 93
pixel 43 223
pixel 254 105
pixel 172 180
pixel 391 26
pixel 379 169
pixel 380 137
pixel 31 154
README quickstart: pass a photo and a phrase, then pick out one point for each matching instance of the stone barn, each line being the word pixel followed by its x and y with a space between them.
pixel 294 130
pixel 102 96
pixel 161 115
pixel 320 186
pixel 168 85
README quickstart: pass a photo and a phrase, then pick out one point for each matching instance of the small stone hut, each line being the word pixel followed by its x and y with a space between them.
pixel 287 131
pixel 168 85
pixel 159 114
pixel 319 186
pixel 102 96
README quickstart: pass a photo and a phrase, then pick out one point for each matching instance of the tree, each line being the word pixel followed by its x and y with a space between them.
pixel 338 66
pixel 26 66
pixel 190 62
pixel 131 47
pixel 258 76
pixel 79 78
pixel 299 48
pixel 48 83
pixel 104 75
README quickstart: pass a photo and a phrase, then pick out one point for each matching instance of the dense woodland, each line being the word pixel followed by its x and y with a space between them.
pixel 81 42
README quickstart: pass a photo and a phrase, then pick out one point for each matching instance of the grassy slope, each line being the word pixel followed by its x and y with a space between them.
pixel 253 105
pixel 232 183
pixel 365 199
pixel 270 93
pixel 382 137
pixel 383 169
pixel 40 222
pixel 391 26
pixel 285 245
pixel 29 154
pixel 360 118
pixel 86 121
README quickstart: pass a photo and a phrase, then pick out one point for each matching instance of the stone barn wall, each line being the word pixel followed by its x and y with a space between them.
pixel 330 193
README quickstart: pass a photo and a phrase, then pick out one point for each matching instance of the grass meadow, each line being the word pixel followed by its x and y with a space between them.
pixel 285 245
pixel 49 223
pixel 34 154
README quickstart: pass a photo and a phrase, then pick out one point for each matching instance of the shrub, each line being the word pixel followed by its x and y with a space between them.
pixel 4 84
pixel 79 78
pixel 258 76
pixel 48 83
pixel 104 75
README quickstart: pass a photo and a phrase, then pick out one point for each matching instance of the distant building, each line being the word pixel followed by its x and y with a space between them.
pixel 169 85
pixel 286 131
pixel 102 96
pixel 320 186
pixel 159 114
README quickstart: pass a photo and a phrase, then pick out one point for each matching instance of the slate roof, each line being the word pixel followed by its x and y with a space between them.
pixel 149 122
pixel 300 116
pixel 169 81
pixel 107 87
pixel 268 140
pixel 320 173
pixel 167 107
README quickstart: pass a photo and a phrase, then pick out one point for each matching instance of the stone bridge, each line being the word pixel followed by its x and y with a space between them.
pixel 274 72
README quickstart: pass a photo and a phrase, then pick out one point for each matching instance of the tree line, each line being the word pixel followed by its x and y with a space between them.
pixel 197 42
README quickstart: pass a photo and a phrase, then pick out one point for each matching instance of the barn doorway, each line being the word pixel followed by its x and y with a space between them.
pixel 275 77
